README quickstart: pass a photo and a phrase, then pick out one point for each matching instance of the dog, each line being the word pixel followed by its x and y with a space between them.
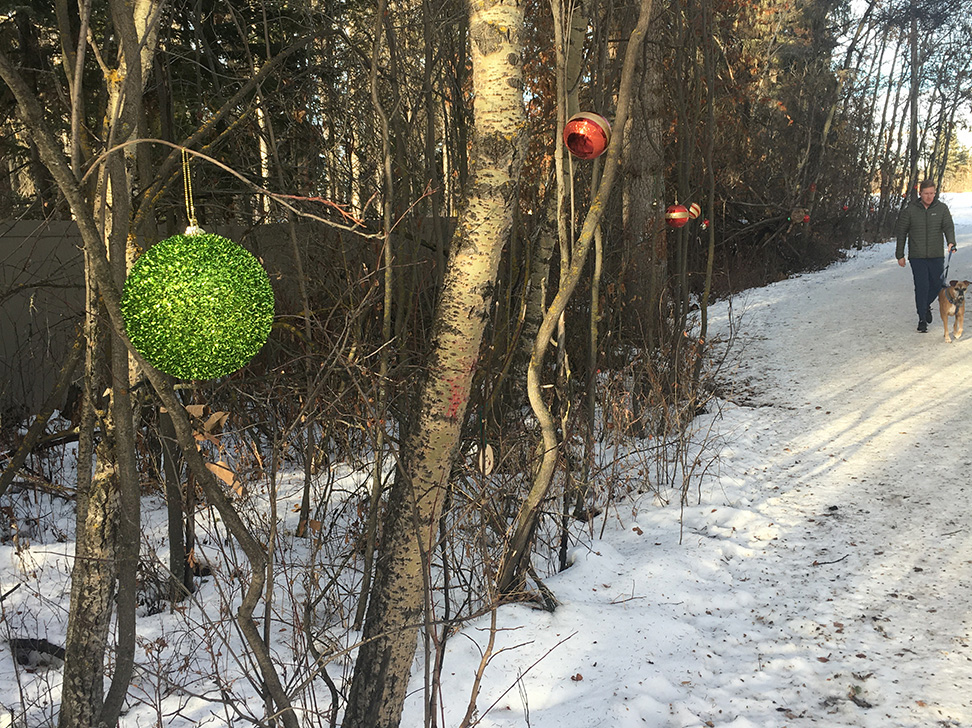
pixel 951 302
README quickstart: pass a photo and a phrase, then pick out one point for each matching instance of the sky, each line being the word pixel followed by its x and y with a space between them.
pixel 819 574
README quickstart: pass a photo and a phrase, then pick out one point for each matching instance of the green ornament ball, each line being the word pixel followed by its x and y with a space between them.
pixel 197 306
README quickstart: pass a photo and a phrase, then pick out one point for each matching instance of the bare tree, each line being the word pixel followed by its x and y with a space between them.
pixel 517 557
pixel 115 486
pixel 411 530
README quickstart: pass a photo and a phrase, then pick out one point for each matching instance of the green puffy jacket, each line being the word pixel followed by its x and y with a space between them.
pixel 924 228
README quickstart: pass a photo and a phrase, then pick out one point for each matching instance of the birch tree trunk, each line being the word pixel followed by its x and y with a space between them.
pixel 398 597
pixel 108 522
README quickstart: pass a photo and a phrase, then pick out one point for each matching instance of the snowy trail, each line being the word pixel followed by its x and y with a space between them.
pixel 876 459
pixel 826 577
pixel 876 453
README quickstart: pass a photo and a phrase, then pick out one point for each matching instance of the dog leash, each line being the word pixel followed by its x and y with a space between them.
pixel 947 261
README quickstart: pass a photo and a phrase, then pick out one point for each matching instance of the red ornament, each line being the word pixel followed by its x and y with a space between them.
pixel 694 210
pixel 806 218
pixel 676 215
pixel 705 223
pixel 587 135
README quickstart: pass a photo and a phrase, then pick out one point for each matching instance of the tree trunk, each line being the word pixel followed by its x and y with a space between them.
pixel 645 243
pixel 180 572
pixel 913 100
pixel 569 53
pixel 92 576
pixel 108 524
pixel 411 528
pixel 388 258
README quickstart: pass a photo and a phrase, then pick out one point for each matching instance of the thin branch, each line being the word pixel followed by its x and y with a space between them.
pixel 279 198
pixel 172 162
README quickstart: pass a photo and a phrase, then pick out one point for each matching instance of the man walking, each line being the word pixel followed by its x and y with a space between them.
pixel 923 224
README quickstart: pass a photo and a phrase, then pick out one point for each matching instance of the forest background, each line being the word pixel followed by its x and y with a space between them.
pixel 467 317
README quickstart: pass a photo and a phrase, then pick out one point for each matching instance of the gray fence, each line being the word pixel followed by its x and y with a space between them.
pixel 42 288
pixel 41 305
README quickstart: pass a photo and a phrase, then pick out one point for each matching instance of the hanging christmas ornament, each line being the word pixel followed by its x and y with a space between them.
pixel 587 135
pixel 806 218
pixel 197 306
pixel 486 459
pixel 705 223
pixel 694 210
pixel 676 215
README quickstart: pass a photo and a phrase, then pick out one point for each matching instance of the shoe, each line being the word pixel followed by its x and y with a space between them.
pixel 922 327
pixel 928 316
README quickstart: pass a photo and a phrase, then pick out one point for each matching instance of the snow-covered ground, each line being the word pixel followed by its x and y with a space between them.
pixel 824 578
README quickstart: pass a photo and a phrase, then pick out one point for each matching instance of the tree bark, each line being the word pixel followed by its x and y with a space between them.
pixel 418 493
pixel 645 243
pixel 913 100
pixel 388 258
pixel 180 572
pixel 92 576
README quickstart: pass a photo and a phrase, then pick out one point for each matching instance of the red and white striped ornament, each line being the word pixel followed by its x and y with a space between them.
pixel 676 215
pixel 587 135
pixel 694 210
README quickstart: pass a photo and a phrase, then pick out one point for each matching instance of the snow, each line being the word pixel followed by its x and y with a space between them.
pixel 819 575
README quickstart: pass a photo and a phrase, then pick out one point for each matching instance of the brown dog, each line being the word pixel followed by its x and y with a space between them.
pixel 951 302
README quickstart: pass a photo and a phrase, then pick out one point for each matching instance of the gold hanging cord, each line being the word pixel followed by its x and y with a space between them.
pixel 187 184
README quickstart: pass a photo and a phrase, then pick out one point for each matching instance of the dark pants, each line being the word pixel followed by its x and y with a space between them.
pixel 928 282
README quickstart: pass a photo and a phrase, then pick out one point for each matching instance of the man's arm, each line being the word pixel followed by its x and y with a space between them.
pixel 948 227
pixel 901 233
